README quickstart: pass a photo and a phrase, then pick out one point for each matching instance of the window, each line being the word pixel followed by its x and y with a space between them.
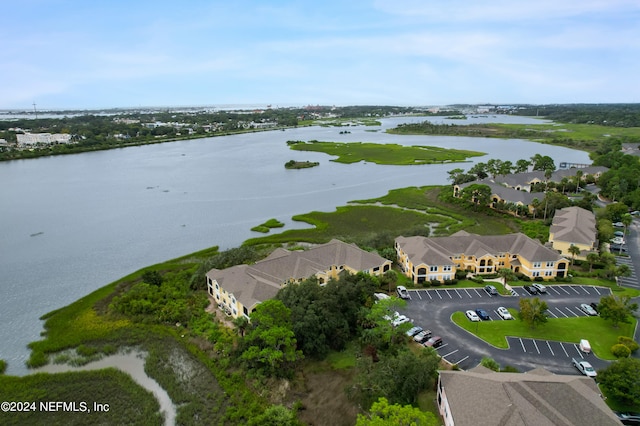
pixel 446 268
pixel 217 287
pixel 433 269
pixel 548 273
pixel 536 273
pixel 376 269
pixel 537 264
pixel 446 277
pixel 433 277
pixel 550 264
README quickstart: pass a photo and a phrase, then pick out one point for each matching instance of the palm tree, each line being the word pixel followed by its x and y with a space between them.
pixel 547 176
pixel 574 251
pixel 621 271
pixel 579 174
pixel 592 258
pixel 241 323
pixel 506 274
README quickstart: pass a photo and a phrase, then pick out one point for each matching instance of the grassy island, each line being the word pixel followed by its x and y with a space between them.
pixel 388 154
pixel 266 227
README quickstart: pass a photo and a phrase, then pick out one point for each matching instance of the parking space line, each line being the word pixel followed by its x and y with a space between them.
pixel 565 351
pixel 476 290
pixel 536 345
pixel 550 350
pixel 459 295
pixel 449 294
pixel 565 315
pixel 554 289
pixel 552 314
pixel 573 313
pixel 462 360
pixel 585 289
pixel 522 344
pixel 578 350
pixel 438 293
pixel 597 290
pixel 564 289
pixel 467 291
pixel 450 353
pixel 440 347
pixel 418 293
pixel 576 291
pixel 429 294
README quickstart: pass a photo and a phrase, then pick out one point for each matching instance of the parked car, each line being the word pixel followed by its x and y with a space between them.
pixel 584 367
pixel 617 248
pixel 484 316
pixel 618 225
pixel 414 330
pixel 400 320
pixel 629 418
pixel 504 313
pixel 472 316
pixel 423 336
pixel 594 305
pixel 491 290
pixel 618 234
pixel 541 289
pixel 530 289
pixel 402 292
pixel 617 240
pixel 434 342
pixel 587 309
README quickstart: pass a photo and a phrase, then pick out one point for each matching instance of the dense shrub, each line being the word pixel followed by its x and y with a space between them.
pixel 620 351
pixel 435 283
pixel 538 279
pixel 450 282
pixel 629 343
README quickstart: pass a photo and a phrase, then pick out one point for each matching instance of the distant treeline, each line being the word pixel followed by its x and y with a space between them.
pixel 614 115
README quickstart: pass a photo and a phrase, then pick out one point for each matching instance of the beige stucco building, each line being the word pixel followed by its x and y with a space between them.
pixel 438 258
pixel 574 226
pixel 239 289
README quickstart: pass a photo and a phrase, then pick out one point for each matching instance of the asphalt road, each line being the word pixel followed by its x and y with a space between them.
pixel 432 310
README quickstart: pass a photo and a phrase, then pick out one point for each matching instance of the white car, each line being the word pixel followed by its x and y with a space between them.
pixel 400 320
pixel 587 309
pixel 504 313
pixel 402 292
pixel 617 240
pixel 472 316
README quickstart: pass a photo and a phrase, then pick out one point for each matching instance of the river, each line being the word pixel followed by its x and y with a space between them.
pixel 72 224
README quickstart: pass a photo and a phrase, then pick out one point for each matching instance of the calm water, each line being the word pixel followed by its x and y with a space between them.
pixel 72 224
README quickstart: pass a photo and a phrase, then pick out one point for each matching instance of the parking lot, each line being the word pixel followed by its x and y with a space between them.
pixel 432 309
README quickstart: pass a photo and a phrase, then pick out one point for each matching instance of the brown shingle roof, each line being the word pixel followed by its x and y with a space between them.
pixel 252 284
pixel 490 398
pixel 439 250
pixel 574 225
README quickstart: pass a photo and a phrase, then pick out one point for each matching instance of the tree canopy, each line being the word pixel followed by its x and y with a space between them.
pixel 621 380
pixel 383 414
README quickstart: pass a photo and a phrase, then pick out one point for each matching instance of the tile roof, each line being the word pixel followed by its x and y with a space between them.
pixel 505 193
pixel 483 397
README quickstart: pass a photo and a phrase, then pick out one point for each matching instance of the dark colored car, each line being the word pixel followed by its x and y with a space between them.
pixel 629 418
pixel 484 316
pixel 434 342
pixel 530 289
pixel 491 290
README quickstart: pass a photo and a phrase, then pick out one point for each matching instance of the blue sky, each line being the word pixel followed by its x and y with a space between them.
pixel 114 53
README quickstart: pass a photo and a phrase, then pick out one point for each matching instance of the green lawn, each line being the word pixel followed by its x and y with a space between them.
pixel 390 154
pixel 597 331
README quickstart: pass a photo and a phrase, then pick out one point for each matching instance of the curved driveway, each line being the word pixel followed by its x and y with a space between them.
pixel 432 309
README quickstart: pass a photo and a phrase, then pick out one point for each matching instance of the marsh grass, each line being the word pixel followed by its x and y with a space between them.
pixel 390 154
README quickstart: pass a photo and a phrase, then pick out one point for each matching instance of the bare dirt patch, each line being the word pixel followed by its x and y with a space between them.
pixel 325 401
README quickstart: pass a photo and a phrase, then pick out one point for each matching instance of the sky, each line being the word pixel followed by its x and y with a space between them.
pixel 71 54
